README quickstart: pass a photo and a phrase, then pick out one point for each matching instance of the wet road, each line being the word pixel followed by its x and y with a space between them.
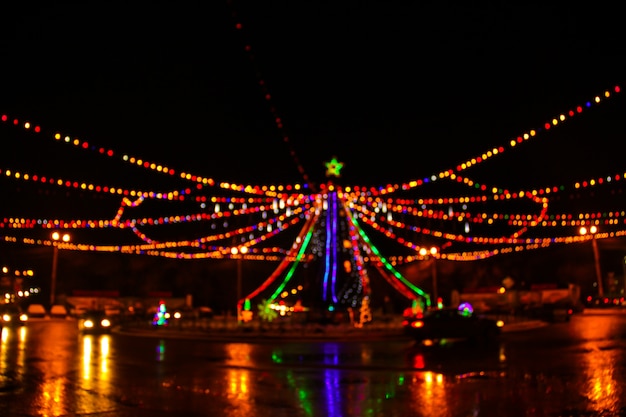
pixel 565 369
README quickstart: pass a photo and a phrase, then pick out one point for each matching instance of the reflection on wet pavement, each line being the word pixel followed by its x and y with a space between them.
pixel 573 369
pixel 12 357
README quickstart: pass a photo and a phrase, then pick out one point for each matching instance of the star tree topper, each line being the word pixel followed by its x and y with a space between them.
pixel 333 168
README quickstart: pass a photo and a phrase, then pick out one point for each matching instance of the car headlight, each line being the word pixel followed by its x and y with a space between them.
pixel 6 317
pixel 88 324
pixel 105 323
pixel 23 317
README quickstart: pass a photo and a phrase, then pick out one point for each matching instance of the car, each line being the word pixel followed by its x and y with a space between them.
pixel 551 313
pixel 58 311
pixel 36 311
pixel 205 312
pixel 12 315
pixel 113 311
pixel 95 322
pixel 439 324
pixel 605 301
pixel 78 310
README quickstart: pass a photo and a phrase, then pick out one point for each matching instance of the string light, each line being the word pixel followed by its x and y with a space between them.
pixel 295 204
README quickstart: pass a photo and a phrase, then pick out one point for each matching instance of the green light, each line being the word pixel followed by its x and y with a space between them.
pixel 294 265
pixel 387 265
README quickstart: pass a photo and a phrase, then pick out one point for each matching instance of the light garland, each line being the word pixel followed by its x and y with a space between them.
pixel 284 206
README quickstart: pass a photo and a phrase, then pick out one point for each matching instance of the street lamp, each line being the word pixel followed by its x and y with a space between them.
pixel 624 274
pixel 596 256
pixel 433 253
pixel 56 237
pixel 238 252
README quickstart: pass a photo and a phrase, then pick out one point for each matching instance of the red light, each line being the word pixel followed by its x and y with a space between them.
pixel 417 324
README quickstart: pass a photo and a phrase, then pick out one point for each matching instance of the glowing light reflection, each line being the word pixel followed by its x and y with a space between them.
pixel 95 370
pixel 429 395
pixel 600 366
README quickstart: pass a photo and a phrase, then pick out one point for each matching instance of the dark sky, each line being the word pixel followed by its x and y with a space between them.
pixel 395 90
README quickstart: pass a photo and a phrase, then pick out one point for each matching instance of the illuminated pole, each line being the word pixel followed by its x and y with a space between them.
pixel 624 274
pixel 596 256
pixel 238 252
pixel 56 236
pixel 433 253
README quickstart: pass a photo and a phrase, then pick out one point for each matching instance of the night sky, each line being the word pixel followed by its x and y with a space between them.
pixel 396 92
pixel 265 93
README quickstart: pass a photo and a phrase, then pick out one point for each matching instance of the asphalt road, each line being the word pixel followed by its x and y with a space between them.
pixel 574 368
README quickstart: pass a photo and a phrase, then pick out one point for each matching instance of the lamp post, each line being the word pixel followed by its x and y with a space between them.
pixel 624 274
pixel 596 256
pixel 238 252
pixel 432 252
pixel 56 237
